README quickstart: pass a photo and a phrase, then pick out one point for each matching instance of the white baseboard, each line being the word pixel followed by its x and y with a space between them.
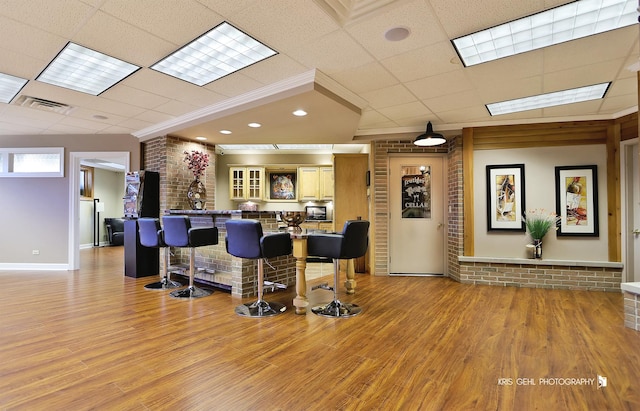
pixel 33 267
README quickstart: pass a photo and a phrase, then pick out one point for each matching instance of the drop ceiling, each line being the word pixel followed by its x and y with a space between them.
pixel 333 60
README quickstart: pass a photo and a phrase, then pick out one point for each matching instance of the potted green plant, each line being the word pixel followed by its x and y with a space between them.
pixel 538 223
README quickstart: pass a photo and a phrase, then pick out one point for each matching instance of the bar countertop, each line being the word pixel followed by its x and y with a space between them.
pixel 218 212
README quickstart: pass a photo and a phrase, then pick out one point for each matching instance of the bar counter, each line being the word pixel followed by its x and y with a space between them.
pixel 215 266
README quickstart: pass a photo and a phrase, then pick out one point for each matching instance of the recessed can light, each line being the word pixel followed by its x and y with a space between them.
pixel 254 125
pixel 201 138
pixel 300 113
pixel 397 34
pixel 100 117
pixel 225 132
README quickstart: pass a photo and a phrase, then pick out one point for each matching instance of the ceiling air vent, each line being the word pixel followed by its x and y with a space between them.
pixel 42 104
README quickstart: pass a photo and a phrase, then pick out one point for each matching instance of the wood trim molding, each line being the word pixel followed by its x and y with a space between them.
pixel 606 132
pixel 613 193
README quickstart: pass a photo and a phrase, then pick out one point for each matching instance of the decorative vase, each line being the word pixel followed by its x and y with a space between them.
pixel 197 195
pixel 537 249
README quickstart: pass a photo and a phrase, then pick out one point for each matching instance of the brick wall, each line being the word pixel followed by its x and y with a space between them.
pixel 452 151
pixel 455 222
pixel 632 310
pixel 165 155
pixel 542 275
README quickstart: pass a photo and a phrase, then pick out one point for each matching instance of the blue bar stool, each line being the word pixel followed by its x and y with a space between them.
pixel 351 243
pixel 245 239
pixel 151 235
pixel 179 233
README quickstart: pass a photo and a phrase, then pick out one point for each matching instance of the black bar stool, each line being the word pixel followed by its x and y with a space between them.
pixel 151 235
pixel 179 233
pixel 245 239
pixel 351 243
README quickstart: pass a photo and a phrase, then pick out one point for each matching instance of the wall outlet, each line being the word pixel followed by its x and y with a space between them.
pixel 35 252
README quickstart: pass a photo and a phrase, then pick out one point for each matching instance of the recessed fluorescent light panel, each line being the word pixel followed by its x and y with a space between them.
pixel 304 146
pixel 85 70
pixel 569 22
pixel 219 52
pixel 10 86
pixel 247 146
pixel 557 98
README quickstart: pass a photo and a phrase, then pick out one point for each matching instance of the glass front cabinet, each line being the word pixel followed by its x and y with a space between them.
pixel 246 183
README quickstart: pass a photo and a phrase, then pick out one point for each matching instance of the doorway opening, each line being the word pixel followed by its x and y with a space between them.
pixel 75 160
pixel 630 202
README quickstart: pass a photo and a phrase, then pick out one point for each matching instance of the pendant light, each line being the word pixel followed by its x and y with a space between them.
pixel 429 138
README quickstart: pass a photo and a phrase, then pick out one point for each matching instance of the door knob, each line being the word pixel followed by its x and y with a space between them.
pixel 636 231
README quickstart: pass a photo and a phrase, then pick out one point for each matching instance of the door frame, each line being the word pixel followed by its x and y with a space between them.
pixel 445 210
pixel 625 171
pixel 120 157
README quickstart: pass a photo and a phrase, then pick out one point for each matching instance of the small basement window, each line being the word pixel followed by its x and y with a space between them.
pixel 32 162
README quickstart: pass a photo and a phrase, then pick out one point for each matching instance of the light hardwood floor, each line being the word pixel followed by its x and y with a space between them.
pixel 93 339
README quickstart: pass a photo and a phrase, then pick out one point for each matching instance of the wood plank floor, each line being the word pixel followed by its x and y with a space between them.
pixel 93 339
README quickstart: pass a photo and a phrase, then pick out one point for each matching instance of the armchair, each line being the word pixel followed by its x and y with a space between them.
pixel 115 230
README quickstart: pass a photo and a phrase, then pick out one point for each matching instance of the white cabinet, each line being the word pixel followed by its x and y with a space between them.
pixel 315 183
pixel 246 183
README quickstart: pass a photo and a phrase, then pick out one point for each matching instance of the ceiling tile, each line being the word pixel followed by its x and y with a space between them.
pixel 107 34
pixel 365 78
pixel 416 15
pixel 353 55
pixel 616 104
pixel 440 85
pixel 135 97
pixel 24 39
pixel 388 97
pixel 373 119
pixel 277 68
pixel 175 108
pixel 234 85
pixel 404 111
pixel 454 101
pixel 158 18
pixel 324 55
pixel 459 18
pixel 596 73
pixel 284 24
pixel 153 117
pixel 69 14
pixel 580 53
pixel 425 62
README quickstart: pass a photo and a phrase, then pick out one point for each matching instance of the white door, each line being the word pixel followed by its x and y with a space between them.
pixel 416 226
pixel 631 212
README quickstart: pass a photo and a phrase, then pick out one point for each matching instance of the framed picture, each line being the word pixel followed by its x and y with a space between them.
pixel 282 185
pixel 577 200
pixel 505 197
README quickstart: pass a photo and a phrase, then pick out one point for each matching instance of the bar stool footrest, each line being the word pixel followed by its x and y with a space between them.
pixel 163 285
pixel 190 292
pixel 337 309
pixel 258 309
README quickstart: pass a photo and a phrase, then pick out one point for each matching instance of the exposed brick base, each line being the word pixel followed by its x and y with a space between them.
pixel 632 310
pixel 542 276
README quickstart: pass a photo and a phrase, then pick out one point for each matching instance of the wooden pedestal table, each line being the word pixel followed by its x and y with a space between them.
pixel 350 283
pixel 300 253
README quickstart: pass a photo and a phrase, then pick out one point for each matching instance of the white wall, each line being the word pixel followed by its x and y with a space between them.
pixel 35 211
pixel 539 171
